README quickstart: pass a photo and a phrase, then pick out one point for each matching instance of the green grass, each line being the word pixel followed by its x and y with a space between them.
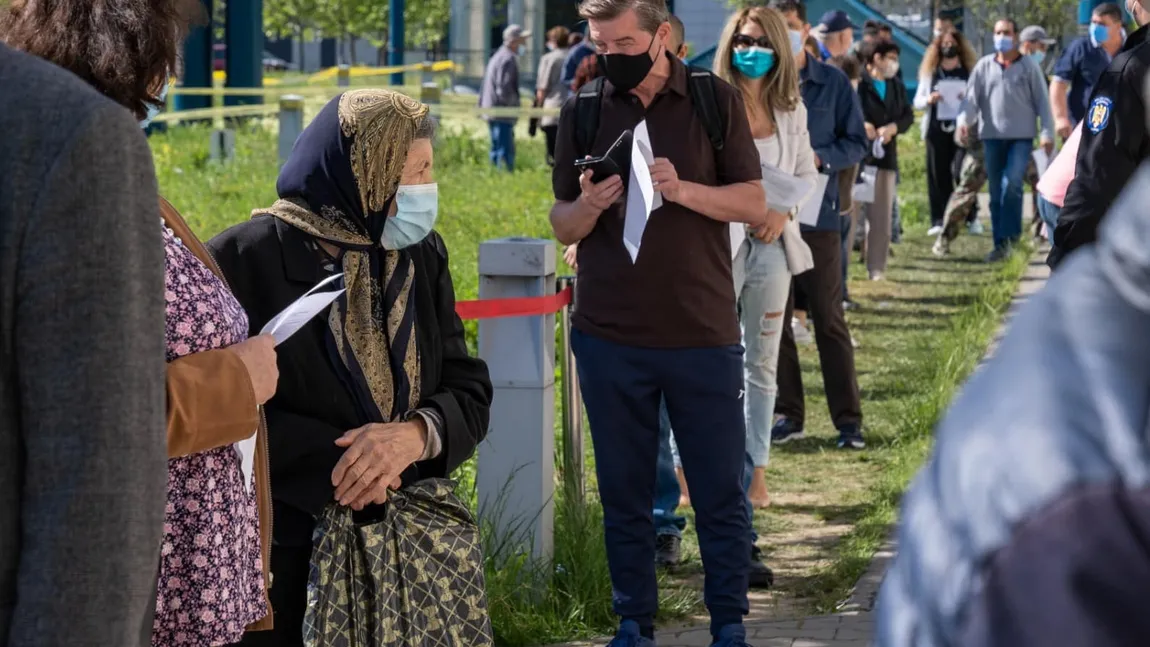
pixel 920 333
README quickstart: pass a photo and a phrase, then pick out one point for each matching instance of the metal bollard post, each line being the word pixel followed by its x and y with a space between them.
pixel 223 146
pixel 574 476
pixel 291 124
pixel 428 90
pixel 344 76
pixel 516 475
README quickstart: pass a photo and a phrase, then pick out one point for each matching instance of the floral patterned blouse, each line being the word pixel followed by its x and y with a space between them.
pixel 211 579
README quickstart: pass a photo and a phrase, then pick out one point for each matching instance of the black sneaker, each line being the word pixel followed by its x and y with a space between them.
pixel 760 575
pixel 786 430
pixel 850 437
pixel 668 551
pixel 849 305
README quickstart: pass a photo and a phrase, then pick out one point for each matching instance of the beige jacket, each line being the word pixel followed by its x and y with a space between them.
pixel 211 404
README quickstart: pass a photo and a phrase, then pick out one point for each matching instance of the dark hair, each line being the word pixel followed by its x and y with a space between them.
pixel 677 29
pixel 789 6
pixel 427 127
pixel 1011 22
pixel 651 13
pixel 885 27
pixel 558 35
pixel 848 64
pixel 1108 10
pixel 871 24
pixel 574 38
pixel 880 48
pixel 123 48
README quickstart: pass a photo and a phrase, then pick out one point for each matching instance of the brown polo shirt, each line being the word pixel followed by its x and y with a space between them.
pixel 679 293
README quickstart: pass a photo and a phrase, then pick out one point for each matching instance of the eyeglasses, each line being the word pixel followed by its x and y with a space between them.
pixel 743 41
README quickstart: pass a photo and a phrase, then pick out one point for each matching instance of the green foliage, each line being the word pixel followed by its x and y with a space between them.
pixel 425 21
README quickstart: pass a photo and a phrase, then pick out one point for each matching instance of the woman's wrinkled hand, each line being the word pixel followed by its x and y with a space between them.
pixel 259 357
pixel 376 456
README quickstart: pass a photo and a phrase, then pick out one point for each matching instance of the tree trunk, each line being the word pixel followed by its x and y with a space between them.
pixel 351 49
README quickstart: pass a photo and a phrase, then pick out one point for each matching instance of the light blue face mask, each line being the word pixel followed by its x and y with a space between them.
pixel 1099 34
pixel 754 62
pixel 1003 44
pixel 154 109
pixel 416 208
pixel 1037 57
pixel 796 41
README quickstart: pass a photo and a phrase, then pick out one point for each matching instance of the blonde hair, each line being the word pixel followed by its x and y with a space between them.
pixel 781 85
pixel 933 56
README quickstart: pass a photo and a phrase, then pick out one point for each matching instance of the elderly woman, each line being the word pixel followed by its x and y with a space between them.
pixel 381 391
pixel 212 561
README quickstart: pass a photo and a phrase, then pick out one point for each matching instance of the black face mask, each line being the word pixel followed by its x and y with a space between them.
pixel 627 71
pixel 950 51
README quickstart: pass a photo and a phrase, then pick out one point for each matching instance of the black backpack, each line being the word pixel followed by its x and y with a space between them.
pixel 700 82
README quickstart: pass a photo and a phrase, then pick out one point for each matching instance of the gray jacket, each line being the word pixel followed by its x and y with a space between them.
pixel 1028 527
pixel 501 83
pixel 1007 102
pixel 83 458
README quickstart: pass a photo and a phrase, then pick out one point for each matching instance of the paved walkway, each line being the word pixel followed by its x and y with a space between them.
pixel 853 626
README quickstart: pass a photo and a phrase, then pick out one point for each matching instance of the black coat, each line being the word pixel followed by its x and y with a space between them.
pixel 895 109
pixel 270 264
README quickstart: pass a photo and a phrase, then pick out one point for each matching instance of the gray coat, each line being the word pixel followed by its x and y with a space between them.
pixel 83 460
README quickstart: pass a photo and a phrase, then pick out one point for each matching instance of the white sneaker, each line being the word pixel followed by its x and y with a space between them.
pixel 934 231
pixel 802 335
pixel 877 276
pixel 975 228
pixel 941 248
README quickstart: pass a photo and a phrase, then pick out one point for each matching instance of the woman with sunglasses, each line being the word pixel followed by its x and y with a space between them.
pixel 756 53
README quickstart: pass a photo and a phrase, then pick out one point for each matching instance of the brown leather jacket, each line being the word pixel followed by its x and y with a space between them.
pixel 211 404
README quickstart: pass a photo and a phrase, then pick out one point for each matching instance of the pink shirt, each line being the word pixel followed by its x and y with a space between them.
pixel 1054 182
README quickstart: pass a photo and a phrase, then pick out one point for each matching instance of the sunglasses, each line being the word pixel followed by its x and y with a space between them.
pixel 743 41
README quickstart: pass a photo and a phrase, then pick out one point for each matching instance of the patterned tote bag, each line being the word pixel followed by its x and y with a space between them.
pixel 412 579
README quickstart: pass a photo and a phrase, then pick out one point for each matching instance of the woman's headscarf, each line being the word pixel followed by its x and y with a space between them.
pixel 338 185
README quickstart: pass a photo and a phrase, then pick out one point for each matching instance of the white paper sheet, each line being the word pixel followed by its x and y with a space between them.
pixel 809 214
pixel 295 316
pixel 951 102
pixel 247 451
pixel 784 190
pixel 1041 161
pixel 642 198
pixel 863 190
pixel 878 149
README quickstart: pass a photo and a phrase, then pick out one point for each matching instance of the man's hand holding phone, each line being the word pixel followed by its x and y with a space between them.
pixel 598 194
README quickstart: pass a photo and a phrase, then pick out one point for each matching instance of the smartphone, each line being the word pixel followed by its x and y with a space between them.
pixel 613 162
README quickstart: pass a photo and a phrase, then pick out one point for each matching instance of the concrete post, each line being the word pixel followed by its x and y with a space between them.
pixel 291 124
pixel 516 475
pixel 344 76
pixel 429 92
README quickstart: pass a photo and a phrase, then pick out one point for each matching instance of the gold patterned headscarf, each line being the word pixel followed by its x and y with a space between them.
pixel 338 186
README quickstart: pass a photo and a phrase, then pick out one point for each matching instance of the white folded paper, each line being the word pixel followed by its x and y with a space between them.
pixel 950 104
pixel 877 149
pixel 863 190
pixel 642 198
pixel 784 190
pixel 809 214
pixel 295 316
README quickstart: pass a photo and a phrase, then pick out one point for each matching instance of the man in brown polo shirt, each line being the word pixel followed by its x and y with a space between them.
pixel 664 326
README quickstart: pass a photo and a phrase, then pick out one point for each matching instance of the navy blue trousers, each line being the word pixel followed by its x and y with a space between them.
pixel 703 389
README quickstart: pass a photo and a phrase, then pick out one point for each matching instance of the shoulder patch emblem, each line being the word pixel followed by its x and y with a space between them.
pixel 1098 116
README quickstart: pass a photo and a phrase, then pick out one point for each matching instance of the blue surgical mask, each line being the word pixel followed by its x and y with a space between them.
pixel 1099 34
pixel 796 41
pixel 154 109
pixel 1003 44
pixel 416 208
pixel 521 50
pixel 1037 57
pixel 754 62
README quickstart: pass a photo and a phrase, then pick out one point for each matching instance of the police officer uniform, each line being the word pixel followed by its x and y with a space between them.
pixel 1114 142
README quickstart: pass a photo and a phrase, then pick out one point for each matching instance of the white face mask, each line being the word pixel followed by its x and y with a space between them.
pixel 416 209
pixel 154 109
pixel 892 69
pixel 796 41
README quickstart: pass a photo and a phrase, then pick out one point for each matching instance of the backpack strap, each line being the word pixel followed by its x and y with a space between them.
pixel 588 102
pixel 701 84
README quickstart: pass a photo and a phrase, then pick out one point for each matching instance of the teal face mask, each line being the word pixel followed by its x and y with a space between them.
pixel 754 62
pixel 154 109
pixel 416 208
